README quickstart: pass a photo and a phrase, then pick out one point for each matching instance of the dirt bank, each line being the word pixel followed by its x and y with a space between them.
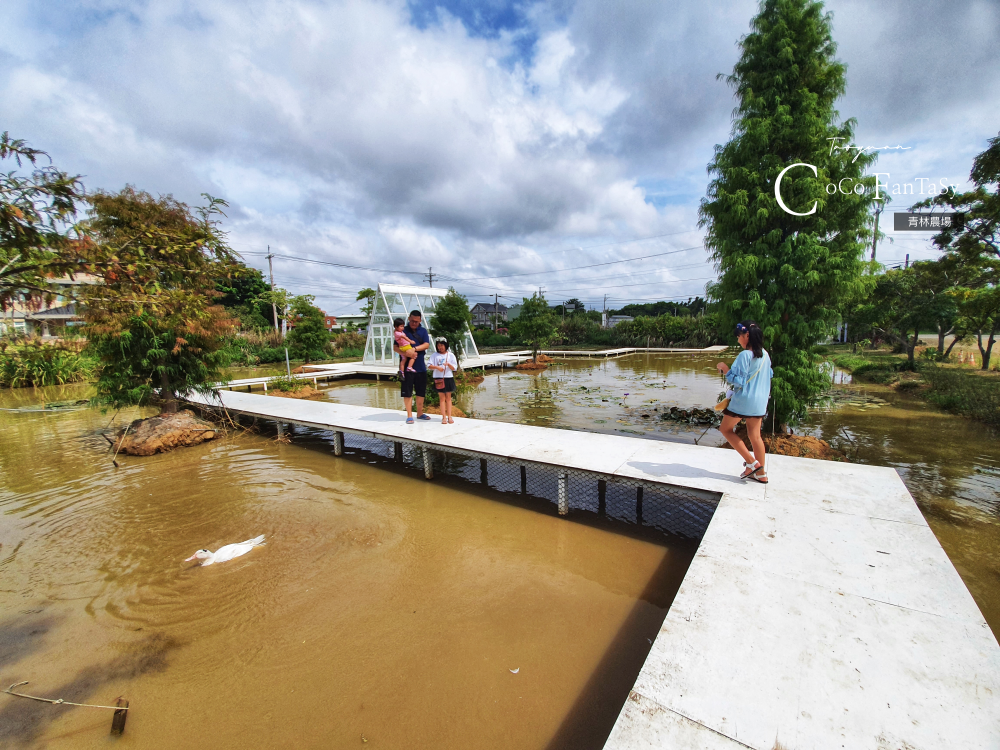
pixel 800 446
pixel 305 392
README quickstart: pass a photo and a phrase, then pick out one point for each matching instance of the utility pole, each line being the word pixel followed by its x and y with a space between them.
pixel 430 276
pixel 604 320
pixel 878 211
pixel 907 261
pixel 270 268
pixel 496 310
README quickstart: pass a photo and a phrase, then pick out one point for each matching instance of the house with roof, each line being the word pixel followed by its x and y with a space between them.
pixel 483 314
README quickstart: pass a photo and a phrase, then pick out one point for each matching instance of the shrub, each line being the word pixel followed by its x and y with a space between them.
pixel 285 384
pixel 36 364
pixel 964 392
pixel 879 370
pixel 347 345
pixel 308 337
pixel 349 352
pixel 488 338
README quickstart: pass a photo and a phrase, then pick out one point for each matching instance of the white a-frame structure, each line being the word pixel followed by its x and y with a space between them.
pixel 393 301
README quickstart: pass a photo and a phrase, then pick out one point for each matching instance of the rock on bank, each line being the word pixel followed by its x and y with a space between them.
pixel 162 433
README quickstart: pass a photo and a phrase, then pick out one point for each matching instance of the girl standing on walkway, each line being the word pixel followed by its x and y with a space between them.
pixel 750 379
pixel 444 364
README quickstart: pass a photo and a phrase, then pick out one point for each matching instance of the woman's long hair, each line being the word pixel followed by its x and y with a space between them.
pixel 756 343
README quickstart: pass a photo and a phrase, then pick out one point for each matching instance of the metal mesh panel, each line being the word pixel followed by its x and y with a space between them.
pixel 668 509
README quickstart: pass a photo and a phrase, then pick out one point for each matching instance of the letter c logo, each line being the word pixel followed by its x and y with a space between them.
pixel 777 190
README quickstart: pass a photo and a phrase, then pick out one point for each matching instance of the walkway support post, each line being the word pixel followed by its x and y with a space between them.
pixel 602 492
pixel 281 429
pixel 563 494
pixel 524 479
pixel 397 450
pixel 338 443
pixel 428 464
pixel 482 471
pixel 638 504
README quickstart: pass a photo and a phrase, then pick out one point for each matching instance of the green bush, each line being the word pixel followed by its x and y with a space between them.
pixel 36 364
pixel 694 332
pixel 349 352
pixel 350 344
pixel 488 338
pixel 879 370
pixel 964 392
pixel 285 384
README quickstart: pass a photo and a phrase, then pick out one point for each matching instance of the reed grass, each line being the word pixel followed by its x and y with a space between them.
pixel 33 363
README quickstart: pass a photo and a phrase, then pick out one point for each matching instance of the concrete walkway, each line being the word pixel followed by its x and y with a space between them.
pixel 820 611
pixel 328 372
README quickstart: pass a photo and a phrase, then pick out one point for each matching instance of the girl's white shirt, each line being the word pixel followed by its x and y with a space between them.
pixel 438 359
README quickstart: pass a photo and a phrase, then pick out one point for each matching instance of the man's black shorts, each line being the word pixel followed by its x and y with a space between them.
pixel 414 381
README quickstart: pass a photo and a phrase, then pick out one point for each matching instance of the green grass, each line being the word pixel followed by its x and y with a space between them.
pixel 967 392
pixel 881 369
pixel 285 384
pixel 36 364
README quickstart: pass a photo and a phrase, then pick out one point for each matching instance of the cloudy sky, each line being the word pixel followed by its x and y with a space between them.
pixel 507 145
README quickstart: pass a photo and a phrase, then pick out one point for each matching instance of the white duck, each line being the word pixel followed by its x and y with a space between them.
pixel 223 554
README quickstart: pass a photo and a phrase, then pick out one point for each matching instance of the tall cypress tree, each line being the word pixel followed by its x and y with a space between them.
pixel 789 273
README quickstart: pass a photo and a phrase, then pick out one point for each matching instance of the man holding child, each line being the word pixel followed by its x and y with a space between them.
pixel 415 379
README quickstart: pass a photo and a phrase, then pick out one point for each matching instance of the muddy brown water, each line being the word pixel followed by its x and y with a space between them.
pixel 951 465
pixel 384 611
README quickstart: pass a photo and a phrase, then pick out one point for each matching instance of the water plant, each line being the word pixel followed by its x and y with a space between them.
pixel 33 363
pixel 968 392
pixel 285 384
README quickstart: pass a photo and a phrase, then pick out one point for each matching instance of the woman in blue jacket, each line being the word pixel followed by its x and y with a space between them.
pixel 750 379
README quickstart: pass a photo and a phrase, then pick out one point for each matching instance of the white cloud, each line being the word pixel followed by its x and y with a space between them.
pixel 340 131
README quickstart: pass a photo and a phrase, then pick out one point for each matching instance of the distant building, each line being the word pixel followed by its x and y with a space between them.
pixel 50 322
pixel 330 321
pixel 360 323
pixel 612 320
pixel 484 312
pixel 514 312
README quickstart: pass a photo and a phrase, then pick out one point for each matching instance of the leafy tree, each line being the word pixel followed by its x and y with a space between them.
pixel 37 237
pixel 979 310
pixel 452 319
pixel 368 295
pixel 155 322
pixel 241 295
pixel 308 337
pixel 577 329
pixel 536 325
pixel 789 273
pixel 973 242
pixel 277 302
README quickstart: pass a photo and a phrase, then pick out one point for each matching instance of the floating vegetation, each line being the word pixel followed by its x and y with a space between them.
pixel 77 405
pixel 693 416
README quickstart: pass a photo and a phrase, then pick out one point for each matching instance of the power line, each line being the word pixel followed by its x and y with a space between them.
pixel 427 274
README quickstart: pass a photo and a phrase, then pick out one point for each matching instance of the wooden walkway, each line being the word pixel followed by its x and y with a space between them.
pixel 819 612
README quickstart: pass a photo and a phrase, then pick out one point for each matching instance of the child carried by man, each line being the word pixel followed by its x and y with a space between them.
pixel 406 350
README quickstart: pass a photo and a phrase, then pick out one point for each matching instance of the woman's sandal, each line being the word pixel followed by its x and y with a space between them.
pixel 759 476
pixel 749 470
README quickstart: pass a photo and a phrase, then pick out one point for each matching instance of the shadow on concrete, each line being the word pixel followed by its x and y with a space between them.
pixel 399 418
pixel 683 471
